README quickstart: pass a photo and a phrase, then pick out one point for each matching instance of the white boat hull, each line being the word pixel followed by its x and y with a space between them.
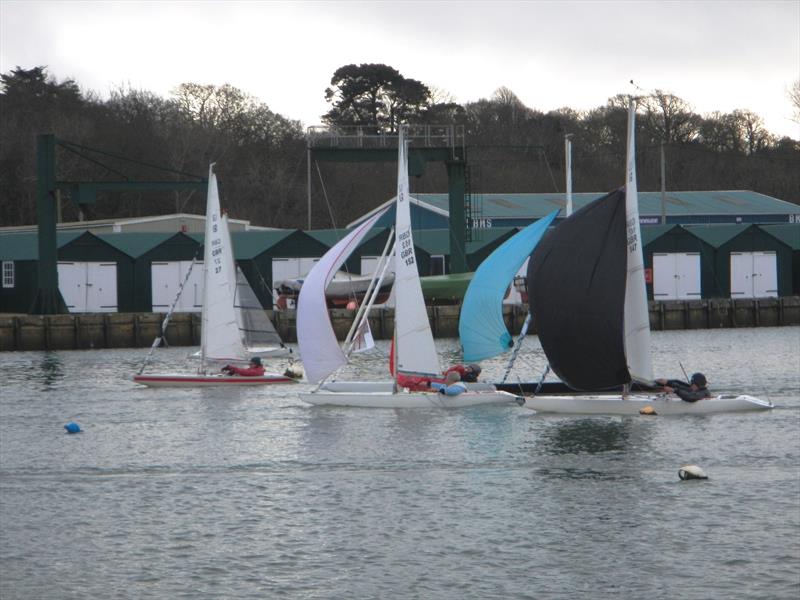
pixel 388 386
pixel 631 405
pixel 407 399
pixel 168 380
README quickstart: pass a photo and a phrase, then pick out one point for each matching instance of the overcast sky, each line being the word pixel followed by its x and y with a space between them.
pixel 715 55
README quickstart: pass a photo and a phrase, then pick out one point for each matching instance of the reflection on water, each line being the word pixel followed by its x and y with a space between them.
pixel 585 436
pixel 51 370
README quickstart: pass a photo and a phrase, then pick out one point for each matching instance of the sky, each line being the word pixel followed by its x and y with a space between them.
pixel 715 55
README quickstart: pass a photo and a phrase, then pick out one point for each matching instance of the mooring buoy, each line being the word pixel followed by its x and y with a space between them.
pixel 72 427
pixel 691 472
pixel 647 410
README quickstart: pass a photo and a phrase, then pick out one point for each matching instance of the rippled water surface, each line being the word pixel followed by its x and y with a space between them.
pixel 249 493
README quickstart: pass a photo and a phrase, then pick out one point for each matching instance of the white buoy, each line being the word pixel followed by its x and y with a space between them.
pixel 691 472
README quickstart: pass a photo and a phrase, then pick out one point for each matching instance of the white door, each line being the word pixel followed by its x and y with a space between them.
pixel 676 276
pixel 72 285
pixel 88 286
pixel 101 287
pixel 754 275
pixel 687 269
pixel 765 275
pixel 167 277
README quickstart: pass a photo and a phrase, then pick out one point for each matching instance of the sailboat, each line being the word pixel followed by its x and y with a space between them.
pixel 588 298
pixel 221 338
pixel 414 348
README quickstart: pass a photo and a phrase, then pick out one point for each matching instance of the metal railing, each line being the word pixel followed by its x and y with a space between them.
pixel 363 137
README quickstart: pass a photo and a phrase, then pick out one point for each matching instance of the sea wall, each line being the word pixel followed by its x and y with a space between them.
pixel 138 330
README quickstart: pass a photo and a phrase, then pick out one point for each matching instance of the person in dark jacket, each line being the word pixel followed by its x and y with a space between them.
pixel 254 370
pixel 695 390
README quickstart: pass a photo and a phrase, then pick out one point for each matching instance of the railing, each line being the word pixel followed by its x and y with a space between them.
pixel 357 136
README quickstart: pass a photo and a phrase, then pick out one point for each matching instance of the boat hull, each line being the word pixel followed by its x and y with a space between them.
pixel 208 380
pixel 407 399
pixel 388 386
pixel 631 405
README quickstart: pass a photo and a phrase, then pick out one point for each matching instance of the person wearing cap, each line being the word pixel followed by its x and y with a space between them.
pixel 695 390
pixel 452 385
pixel 254 370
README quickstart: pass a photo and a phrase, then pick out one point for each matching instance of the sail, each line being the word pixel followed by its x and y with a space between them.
pixel 587 291
pixel 316 339
pixel 481 326
pixel 637 315
pixel 220 338
pixel 415 350
pixel 257 330
pixel 576 288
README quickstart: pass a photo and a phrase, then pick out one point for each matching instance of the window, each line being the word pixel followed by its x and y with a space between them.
pixel 8 274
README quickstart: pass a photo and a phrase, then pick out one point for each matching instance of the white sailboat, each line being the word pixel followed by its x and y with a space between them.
pixel 588 297
pixel 221 338
pixel 414 348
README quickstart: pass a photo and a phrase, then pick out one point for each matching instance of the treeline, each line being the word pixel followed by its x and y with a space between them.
pixel 261 156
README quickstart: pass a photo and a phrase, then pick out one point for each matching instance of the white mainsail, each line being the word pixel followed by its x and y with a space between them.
pixel 637 316
pixel 415 350
pixel 316 339
pixel 220 338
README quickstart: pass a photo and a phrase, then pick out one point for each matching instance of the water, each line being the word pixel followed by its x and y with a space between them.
pixel 249 493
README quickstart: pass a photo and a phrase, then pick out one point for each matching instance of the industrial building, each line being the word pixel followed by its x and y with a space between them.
pixel 737 244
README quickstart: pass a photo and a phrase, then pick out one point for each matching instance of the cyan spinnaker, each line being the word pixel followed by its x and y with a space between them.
pixel 481 327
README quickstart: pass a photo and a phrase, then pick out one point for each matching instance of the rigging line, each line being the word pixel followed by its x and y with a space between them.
pixel 543 154
pixel 523 332
pixel 352 295
pixel 65 144
pixel 327 201
pixel 541 381
pixel 165 322
pixel 97 162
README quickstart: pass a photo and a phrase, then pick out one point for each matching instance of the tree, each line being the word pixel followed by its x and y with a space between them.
pixel 794 98
pixel 375 96
pixel 668 118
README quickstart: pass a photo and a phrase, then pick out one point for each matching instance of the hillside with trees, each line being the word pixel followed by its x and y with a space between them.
pixel 261 156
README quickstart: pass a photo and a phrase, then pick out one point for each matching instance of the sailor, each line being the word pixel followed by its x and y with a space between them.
pixel 695 390
pixel 253 370
pixel 452 385
pixel 468 373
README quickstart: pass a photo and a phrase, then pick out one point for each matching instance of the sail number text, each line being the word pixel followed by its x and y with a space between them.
pixel 406 247
pixel 633 237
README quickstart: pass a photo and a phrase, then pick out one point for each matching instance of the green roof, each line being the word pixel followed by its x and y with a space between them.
pixel 705 203
pixel 788 233
pixel 25 246
pixel 716 235
pixel 437 241
pixel 134 244
pixel 654 232
pixel 330 237
pixel 249 244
